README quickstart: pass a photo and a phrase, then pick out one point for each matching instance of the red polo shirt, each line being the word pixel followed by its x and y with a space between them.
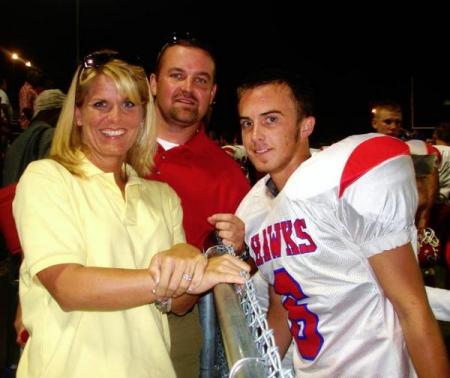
pixel 207 180
pixel 7 224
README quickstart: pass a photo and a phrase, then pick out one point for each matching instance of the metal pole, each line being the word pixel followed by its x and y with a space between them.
pixel 208 322
pixel 242 356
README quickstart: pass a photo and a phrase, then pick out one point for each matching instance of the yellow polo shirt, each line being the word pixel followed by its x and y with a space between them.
pixel 61 219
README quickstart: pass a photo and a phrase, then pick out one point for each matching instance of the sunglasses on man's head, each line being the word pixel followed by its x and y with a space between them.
pixel 390 121
pixel 176 37
pixel 184 39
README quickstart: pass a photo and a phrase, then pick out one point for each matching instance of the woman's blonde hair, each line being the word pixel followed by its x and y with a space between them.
pixel 131 82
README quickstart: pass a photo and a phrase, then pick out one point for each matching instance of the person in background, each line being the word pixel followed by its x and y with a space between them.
pixel 206 179
pixel 32 86
pixel 25 116
pixel 426 158
pixel 236 151
pixel 34 142
pixel 441 138
pixel 105 256
pixel 5 118
pixel 334 241
pixel 387 118
pixel 5 105
pixel 441 212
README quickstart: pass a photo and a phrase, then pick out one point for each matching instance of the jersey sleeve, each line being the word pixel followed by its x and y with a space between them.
pixel 378 209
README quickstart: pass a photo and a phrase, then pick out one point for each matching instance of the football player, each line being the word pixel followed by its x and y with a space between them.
pixel 333 235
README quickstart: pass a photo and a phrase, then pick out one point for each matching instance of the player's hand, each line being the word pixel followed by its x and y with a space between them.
pixel 176 269
pixel 231 230
pixel 221 269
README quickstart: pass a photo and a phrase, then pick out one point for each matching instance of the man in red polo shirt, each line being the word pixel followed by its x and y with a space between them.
pixel 209 183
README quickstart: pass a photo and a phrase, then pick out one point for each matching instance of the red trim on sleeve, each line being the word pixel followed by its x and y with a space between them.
pixel 433 151
pixel 368 155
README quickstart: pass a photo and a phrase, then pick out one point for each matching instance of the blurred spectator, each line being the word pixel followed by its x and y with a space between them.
pixel 237 151
pixel 5 117
pixel 34 143
pixel 5 104
pixel 33 85
pixel 441 211
pixel 442 143
pixel 387 119
pixel 26 114
pixel 425 159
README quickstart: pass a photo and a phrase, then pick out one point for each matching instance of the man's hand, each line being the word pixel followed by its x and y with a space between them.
pixel 221 269
pixel 231 230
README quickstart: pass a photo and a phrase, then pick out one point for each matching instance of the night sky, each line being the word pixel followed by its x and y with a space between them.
pixel 351 55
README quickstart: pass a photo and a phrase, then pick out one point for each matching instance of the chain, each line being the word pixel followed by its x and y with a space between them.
pixel 262 335
pixel 257 323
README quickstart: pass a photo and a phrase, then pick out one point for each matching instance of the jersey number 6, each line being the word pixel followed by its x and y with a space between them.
pixel 303 322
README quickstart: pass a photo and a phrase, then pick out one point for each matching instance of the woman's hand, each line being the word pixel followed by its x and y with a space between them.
pixel 176 269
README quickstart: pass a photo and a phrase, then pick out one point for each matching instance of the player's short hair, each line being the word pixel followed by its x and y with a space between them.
pixel 300 87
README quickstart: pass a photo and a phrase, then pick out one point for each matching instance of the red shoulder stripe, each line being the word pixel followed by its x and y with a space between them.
pixel 433 151
pixel 368 155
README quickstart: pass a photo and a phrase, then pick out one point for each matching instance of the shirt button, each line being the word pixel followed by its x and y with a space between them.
pixel 163 157
pixel 158 172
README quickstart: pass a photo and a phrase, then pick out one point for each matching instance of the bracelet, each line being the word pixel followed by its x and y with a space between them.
pixel 164 305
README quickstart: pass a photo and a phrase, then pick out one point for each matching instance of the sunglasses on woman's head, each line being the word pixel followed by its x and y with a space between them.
pixel 100 58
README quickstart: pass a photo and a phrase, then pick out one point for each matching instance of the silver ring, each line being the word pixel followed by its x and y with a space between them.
pixel 187 277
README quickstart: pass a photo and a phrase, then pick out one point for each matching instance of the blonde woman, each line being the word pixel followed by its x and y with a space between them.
pixel 104 250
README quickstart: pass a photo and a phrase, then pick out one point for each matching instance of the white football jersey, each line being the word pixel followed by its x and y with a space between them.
pixel 312 242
